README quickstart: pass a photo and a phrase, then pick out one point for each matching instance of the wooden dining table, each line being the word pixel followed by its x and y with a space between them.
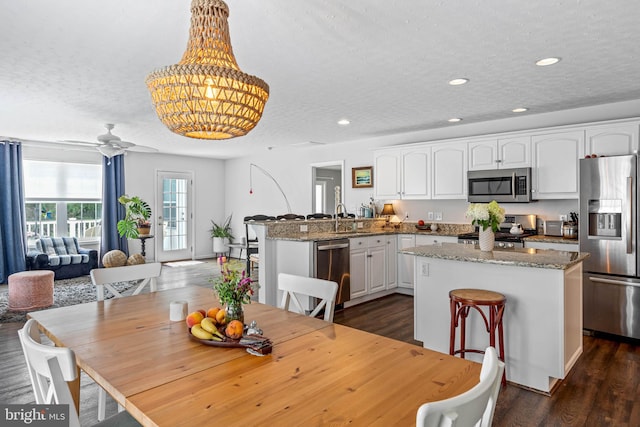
pixel 319 373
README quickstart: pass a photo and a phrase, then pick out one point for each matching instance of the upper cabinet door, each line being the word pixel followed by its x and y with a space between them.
pixel 555 164
pixel 416 174
pixel 386 172
pixel 612 140
pixel 483 155
pixel 514 152
pixel 449 165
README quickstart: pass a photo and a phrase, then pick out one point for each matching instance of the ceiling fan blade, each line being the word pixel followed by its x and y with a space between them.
pixel 142 149
pixel 76 142
pixel 122 144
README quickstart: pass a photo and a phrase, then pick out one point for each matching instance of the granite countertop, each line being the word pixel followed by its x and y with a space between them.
pixel 537 258
pixel 332 235
pixel 550 239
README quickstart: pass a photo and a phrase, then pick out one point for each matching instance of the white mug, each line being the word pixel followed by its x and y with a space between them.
pixel 178 310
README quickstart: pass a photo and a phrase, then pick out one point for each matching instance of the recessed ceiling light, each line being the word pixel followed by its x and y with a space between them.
pixel 520 110
pixel 458 82
pixel 343 122
pixel 547 61
pixel 454 120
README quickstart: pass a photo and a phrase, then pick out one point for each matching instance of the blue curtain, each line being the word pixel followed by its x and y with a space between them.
pixel 112 211
pixel 13 241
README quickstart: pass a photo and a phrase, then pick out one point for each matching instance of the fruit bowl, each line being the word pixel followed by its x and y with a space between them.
pixel 422 227
pixel 257 343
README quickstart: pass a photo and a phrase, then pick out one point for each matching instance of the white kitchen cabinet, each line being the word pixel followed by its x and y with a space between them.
pixel 386 174
pixel 449 166
pixel 423 239
pixel 391 257
pixel 416 173
pixel 403 174
pixel 555 164
pixel 367 265
pixel 613 139
pixel 502 153
pixel 405 262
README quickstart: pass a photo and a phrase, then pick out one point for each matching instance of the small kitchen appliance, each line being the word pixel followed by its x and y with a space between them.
pixel 501 185
pixel 553 228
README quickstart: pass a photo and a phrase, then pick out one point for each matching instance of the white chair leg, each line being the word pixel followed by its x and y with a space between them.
pixel 102 403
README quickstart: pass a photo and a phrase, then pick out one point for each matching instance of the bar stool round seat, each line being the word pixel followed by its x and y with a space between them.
pixel 461 302
pixel 29 290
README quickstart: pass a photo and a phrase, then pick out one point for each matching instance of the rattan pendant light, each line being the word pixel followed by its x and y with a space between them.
pixel 206 95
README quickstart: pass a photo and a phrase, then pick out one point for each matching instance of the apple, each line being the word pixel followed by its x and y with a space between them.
pixel 421 223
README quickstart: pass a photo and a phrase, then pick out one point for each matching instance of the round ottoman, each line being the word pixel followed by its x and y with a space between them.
pixel 30 289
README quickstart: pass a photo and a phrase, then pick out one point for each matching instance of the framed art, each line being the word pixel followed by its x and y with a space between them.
pixel 362 177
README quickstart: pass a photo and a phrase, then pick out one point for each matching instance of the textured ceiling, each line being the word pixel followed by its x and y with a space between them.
pixel 68 67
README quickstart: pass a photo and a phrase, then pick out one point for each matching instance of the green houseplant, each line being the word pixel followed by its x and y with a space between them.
pixel 221 235
pixel 136 219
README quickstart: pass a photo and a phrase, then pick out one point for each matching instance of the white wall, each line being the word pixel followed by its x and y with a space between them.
pixel 208 193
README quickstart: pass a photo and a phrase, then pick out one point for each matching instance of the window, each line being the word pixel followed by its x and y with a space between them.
pixel 63 199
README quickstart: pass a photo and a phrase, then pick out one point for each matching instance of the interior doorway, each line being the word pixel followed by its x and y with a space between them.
pixel 325 177
pixel 174 223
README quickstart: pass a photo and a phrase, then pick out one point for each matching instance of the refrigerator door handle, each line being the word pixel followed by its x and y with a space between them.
pixel 629 215
pixel 613 282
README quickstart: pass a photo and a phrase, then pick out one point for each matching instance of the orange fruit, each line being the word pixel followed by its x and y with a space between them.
pixel 212 312
pixel 234 329
pixel 220 317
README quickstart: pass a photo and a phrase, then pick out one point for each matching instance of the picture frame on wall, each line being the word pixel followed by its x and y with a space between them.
pixel 362 177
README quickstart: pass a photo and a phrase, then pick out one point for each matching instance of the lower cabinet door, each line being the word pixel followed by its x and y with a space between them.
pixel 358 272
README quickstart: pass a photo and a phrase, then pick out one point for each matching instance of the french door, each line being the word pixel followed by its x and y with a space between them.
pixel 174 233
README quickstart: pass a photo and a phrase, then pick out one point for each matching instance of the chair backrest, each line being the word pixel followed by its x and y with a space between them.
pixel 471 408
pixel 325 290
pixel 289 216
pixel 51 368
pixel 104 277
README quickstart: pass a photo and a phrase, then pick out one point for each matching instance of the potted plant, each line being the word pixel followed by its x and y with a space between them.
pixel 136 219
pixel 221 235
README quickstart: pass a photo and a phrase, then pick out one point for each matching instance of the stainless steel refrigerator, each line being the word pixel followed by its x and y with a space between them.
pixel 608 230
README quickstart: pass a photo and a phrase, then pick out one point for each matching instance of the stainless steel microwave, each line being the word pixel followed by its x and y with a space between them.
pixel 501 185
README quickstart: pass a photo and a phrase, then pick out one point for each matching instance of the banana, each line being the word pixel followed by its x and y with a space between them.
pixel 208 325
pixel 198 332
pixel 218 334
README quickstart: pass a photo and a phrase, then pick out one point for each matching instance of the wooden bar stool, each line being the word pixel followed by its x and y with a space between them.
pixel 461 302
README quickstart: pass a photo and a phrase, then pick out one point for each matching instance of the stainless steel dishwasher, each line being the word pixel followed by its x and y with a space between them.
pixel 331 262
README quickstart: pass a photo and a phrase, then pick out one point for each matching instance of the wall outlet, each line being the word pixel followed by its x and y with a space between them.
pixel 304 228
pixel 360 225
pixel 424 269
pixel 563 217
pixel 430 216
pixel 438 216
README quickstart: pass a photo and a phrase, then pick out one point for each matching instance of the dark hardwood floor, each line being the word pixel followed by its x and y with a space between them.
pixel 602 390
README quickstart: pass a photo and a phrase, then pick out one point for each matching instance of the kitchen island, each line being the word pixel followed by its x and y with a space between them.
pixel 543 315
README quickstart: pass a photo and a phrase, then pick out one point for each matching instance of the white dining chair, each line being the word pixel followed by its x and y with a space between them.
pixel 474 407
pixel 50 368
pixel 105 278
pixel 293 286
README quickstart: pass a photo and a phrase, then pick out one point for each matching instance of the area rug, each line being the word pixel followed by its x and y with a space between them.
pixel 182 263
pixel 65 292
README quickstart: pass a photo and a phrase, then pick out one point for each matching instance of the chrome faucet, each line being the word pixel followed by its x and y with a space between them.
pixel 344 208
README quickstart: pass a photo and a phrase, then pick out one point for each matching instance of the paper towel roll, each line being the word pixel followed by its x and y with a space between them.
pixel 178 310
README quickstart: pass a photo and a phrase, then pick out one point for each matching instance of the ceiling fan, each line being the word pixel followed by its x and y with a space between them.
pixel 110 145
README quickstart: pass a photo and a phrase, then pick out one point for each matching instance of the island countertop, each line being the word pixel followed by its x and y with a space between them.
pixel 520 257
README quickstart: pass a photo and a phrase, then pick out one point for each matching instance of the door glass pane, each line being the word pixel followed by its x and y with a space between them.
pixel 174 208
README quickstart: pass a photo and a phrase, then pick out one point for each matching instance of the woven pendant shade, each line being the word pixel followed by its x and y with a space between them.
pixel 206 95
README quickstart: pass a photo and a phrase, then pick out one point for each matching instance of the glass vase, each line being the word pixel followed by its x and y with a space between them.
pixel 233 311
pixel 486 239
